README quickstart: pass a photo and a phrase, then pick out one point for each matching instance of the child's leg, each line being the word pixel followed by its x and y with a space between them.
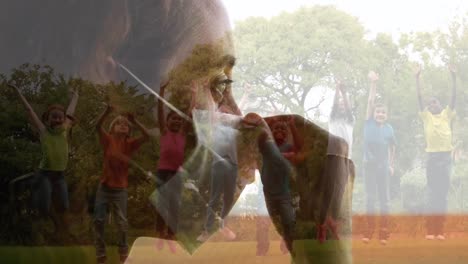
pixel 229 188
pixel 371 197
pixel 161 204
pixel 439 183
pixel 263 241
pixel 216 189
pixel 61 201
pixel 283 217
pixel 288 219
pixel 119 200
pixel 175 189
pixel 382 192
pixel 41 195
pixel 100 216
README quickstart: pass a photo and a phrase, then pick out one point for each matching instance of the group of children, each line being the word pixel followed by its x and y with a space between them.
pixel 379 154
pixel 278 156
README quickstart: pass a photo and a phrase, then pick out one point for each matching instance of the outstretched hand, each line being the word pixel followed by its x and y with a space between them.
pixel 453 69
pixel 373 77
pixel 417 70
pixel 130 117
pixel 13 86
pixel 110 108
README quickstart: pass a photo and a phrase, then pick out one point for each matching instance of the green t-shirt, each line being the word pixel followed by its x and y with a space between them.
pixel 54 145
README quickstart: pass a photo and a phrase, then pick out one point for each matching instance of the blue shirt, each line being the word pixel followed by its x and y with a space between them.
pixel 377 140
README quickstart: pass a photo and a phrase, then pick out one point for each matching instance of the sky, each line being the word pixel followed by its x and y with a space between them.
pixel 377 16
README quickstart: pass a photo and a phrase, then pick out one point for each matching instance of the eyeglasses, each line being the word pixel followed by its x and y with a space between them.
pixel 221 86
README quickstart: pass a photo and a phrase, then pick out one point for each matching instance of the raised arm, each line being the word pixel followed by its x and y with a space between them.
pixel 72 106
pixel 297 140
pixel 453 73
pixel 417 75
pixel 391 158
pixel 373 78
pixel 340 89
pixel 34 119
pixel 161 120
pixel 140 126
pixel 101 119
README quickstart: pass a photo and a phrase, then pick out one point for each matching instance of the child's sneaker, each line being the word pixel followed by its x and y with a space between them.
pixel 203 237
pixel 172 246
pixel 333 226
pixel 321 233
pixel 227 233
pixel 123 258
pixel 440 237
pixel 283 247
pixel 430 237
pixel 101 260
pixel 159 244
pixel 383 236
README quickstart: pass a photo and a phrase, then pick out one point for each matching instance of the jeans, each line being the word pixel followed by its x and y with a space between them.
pixel 438 170
pixel 168 203
pixel 376 179
pixel 283 216
pixel 223 182
pixel 49 186
pixel 117 198
pixel 333 183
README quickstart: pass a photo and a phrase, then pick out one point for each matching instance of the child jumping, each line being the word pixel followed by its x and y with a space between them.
pixel 335 179
pixel 379 152
pixel 49 183
pixel 438 133
pixel 173 130
pixel 276 183
pixel 118 148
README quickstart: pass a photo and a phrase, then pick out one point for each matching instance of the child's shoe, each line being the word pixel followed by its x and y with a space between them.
pixel 383 236
pixel 123 259
pixel 333 226
pixel 430 237
pixel 204 236
pixel 321 233
pixel 227 233
pixel 172 246
pixel 283 247
pixel 101 260
pixel 159 244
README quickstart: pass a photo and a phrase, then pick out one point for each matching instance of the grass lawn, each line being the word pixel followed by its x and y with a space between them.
pixel 401 250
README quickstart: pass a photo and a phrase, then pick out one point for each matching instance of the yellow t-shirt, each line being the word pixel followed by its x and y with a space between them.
pixel 438 130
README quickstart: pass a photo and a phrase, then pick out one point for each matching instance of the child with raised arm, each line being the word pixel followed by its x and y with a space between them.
pixel 173 130
pixel 333 183
pixel 118 148
pixel 275 184
pixel 379 152
pixel 49 182
pixel 437 123
pixel 277 156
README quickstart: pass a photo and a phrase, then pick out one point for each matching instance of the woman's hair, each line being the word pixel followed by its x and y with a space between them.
pixel 87 38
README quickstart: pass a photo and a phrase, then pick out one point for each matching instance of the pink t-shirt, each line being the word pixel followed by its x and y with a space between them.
pixel 171 151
